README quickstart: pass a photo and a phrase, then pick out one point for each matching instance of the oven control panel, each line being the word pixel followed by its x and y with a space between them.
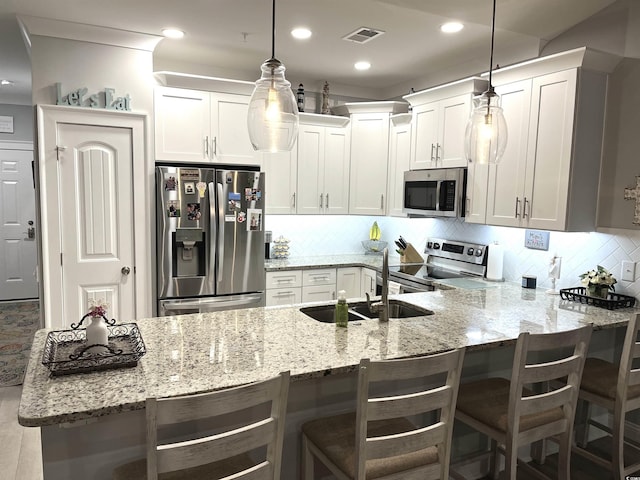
pixel 456 250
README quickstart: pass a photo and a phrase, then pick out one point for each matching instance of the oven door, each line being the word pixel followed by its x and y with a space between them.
pixel 406 285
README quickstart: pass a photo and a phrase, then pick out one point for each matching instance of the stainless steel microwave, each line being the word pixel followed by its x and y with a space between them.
pixel 437 192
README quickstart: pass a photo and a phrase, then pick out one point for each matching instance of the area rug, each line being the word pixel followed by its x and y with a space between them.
pixel 18 323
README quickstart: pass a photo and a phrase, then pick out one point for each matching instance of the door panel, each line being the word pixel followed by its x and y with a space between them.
pixel 336 171
pixel 97 219
pixel 455 115
pixel 17 208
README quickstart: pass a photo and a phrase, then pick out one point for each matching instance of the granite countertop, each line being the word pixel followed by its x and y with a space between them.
pixel 327 261
pixel 199 352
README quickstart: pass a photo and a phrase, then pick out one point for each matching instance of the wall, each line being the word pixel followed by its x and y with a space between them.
pixel 22 123
pixel 312 235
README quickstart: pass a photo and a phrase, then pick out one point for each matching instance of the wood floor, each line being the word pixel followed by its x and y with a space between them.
pixel 20 451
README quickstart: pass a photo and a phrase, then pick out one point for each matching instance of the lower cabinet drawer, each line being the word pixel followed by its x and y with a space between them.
pixel 283 296
pixel 284 278
pixel 318 293
pixel 319 276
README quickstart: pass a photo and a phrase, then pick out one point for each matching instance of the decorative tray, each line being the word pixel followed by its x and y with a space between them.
pixel 612 302
pixel 66 352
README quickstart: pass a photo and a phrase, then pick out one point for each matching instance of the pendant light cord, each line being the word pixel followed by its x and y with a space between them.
pixel 273 29
pixel 493 28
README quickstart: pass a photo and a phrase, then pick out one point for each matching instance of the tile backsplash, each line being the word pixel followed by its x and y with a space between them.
pixel 342 234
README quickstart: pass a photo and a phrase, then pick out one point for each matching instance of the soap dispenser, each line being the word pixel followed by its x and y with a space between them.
pixel 342 310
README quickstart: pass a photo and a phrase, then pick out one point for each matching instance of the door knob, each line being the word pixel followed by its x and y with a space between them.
pixel 125 270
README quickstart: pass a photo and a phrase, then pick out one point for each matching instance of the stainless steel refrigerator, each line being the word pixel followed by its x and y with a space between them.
pixel 210 239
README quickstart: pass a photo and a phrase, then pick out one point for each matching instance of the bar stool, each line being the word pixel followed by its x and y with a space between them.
pixel 378 440
pixel 511 414
pixel 618 390
pixel 219 455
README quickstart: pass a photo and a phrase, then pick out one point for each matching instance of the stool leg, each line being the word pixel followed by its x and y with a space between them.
pixel 564 455
pixel 307 460
pixel 617 444
pixel 510 460
pixel 583 415
pixel 494 466
pixel 539 451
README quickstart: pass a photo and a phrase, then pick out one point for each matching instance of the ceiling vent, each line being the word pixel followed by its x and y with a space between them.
pixel 363 35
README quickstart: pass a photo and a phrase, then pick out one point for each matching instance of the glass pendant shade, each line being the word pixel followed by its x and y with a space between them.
pixel 486 134
pixel 273 111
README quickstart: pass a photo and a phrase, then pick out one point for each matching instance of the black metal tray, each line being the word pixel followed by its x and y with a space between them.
pixel 612 302
pixel 65 351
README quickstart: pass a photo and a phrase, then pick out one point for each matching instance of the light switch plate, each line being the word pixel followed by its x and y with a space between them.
pixel 628 273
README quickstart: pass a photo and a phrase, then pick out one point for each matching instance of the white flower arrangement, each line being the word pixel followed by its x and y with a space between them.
pixel 600 277
pixel 97 308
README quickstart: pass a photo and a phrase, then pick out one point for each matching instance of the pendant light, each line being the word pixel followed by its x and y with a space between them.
pixel 273 110
pixel 486 134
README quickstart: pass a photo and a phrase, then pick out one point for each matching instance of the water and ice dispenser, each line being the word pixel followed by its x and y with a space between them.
pixel 189 259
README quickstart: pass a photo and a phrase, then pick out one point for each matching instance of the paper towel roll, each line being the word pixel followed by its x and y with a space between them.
pixel 495 262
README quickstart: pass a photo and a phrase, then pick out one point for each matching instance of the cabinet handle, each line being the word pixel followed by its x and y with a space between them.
pixel 438 147
pixel 333 295
pixel 467 207
pixel 327 202
pixel 517 203
pixel 294 199
pixel 215 146
pixel 382 202
pixel 321 201
pixel 284 294
pixel 206 146
pixel 524 208
pixel 432 147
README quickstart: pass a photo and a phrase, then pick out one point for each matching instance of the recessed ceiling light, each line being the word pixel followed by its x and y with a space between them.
pixel 301 33
pixel 362 65
pixel 172 33
pixel 451 27
pixel 6 82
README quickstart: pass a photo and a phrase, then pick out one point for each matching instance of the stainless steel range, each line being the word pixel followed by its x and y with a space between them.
pixel 444 259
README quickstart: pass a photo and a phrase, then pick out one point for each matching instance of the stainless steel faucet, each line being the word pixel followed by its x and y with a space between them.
pixel 382 307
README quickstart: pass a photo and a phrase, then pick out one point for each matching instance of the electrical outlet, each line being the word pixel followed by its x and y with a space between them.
pixel 628 273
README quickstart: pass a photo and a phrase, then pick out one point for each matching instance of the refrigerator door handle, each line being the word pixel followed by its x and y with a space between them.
pixel 213 226
pixel 221 205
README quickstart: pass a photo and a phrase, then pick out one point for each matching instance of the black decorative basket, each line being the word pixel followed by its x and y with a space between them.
pixel 612 302
pixel 66 351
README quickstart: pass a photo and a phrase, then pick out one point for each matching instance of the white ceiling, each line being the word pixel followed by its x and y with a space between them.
pixel 412 52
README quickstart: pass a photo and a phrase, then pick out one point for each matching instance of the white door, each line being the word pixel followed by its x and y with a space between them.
pixel 310 169
pixel 335 173
pixel 423 136
pixel 231 143
pixel 96 215
pixel 17 209
pixel 454 115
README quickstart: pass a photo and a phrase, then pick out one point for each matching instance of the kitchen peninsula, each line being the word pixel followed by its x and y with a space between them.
pixel 92 422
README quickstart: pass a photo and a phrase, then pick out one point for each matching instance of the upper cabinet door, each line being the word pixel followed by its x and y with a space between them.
pixel 549 150
pixel 230 135
pixel 424 136
pixel 369 160
pixel 281 170
pixel 336 170
pixel 453 119
pixel 505 191
pixel 399 159
pixel 182 124
pixel 310 169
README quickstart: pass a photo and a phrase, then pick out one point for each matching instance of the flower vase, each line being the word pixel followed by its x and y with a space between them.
pixel 97 332
pixel 598 291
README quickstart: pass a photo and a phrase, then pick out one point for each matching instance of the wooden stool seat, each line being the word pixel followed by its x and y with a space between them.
pixel 488 402
pixel 335 437
pixel 404 434
pixel 617 389
pixel 537 403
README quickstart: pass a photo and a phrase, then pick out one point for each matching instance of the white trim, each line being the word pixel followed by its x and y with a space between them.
pixel 48 27
pixel 48 116
pixel 15 145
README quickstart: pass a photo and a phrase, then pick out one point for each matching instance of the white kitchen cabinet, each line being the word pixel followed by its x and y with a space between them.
pixel 548 175
pixel 199 126
pixel 323 165
pixel 318 285
pixel 439 121
pixel 349 279
pixel 369 163
pixel 281 176
pixel 399 160
pixel 284 287
pixel 368 282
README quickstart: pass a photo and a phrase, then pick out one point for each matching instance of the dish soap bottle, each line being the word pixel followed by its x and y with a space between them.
pixel 342 310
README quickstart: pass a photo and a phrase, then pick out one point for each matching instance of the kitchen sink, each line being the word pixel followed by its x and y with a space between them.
pixel 360 311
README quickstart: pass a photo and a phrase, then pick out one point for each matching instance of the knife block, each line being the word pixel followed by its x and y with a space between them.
pixel 411 256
